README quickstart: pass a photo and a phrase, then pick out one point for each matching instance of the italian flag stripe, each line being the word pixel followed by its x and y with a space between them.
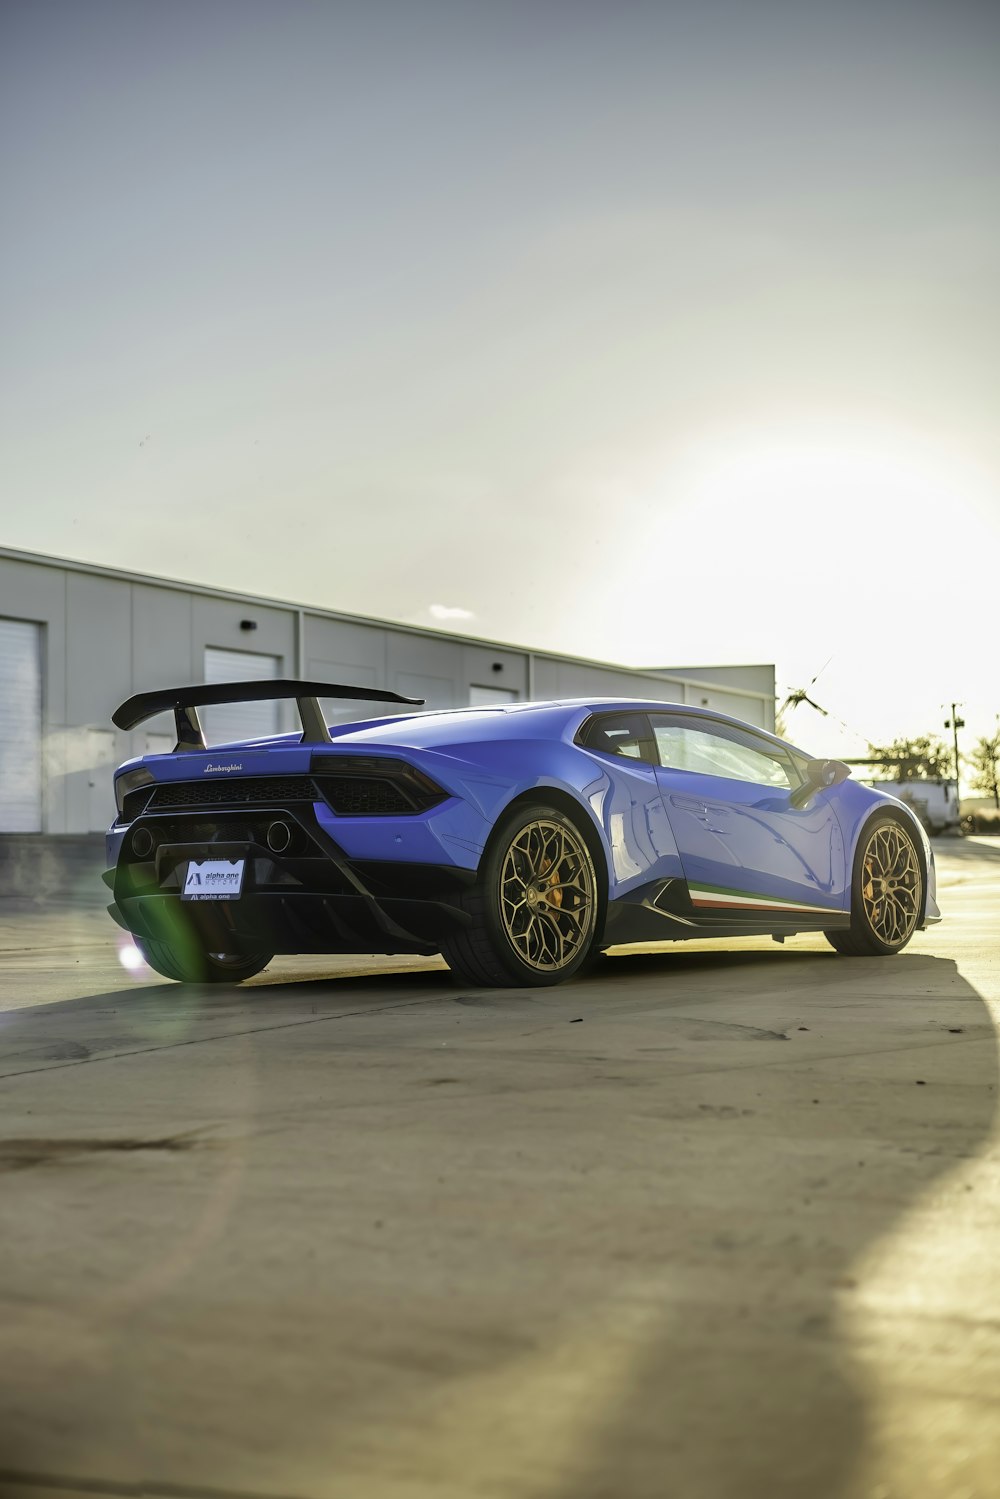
pixel 717 897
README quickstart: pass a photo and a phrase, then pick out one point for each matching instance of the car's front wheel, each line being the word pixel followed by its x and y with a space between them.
pixel 887 892
pixel 189 966
pixel 534 907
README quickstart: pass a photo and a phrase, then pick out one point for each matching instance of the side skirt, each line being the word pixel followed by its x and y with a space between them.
pixel 663 913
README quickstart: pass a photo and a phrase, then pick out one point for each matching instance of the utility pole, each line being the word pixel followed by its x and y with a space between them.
pixel 954 723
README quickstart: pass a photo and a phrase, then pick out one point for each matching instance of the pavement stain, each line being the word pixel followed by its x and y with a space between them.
pixel 20 1154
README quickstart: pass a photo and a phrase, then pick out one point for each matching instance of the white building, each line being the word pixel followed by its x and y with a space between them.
pixel 76 640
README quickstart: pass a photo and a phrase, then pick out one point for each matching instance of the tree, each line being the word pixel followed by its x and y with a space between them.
pixel 914 759
pixel 985 760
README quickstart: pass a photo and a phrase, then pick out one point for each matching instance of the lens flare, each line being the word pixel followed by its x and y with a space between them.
pixel 129 956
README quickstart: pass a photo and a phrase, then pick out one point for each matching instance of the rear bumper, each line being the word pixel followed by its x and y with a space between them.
pixel 294 922
pixel 313 896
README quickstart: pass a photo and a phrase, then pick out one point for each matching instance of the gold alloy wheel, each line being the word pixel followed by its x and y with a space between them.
pixel 548 895
pixel 890 884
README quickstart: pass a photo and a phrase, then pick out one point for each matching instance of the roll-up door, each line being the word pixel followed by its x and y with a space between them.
pixel 226 721
pixel 479 697
pixel 20 726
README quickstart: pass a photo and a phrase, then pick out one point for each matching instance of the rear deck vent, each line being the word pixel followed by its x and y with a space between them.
pixel 234 791
pixel 352 796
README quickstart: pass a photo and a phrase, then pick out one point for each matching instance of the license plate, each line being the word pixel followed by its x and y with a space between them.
pixel 213 879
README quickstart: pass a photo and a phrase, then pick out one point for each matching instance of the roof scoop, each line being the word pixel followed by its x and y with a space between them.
pixel 185 702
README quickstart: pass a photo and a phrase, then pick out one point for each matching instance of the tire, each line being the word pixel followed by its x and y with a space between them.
pixel 193 967
pixel 534 907
pixel 887 892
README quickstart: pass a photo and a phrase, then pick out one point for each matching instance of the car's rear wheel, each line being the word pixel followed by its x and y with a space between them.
pixel 887 892
pixel 190 966
pixel 534 907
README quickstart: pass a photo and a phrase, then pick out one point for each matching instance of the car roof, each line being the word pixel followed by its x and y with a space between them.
pixel 548 718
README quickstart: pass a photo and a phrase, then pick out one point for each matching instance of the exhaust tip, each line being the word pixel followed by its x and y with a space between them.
pixel 142 843
pixel 279 837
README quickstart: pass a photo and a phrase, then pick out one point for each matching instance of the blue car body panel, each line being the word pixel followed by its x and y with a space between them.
pixel 749 840
pixel 683 853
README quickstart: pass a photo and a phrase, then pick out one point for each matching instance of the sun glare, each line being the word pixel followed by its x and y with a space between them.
pixel 841 489
pixel 129 956
pixel 796 543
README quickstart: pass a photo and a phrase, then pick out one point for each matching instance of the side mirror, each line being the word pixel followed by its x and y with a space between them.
pixel 819 775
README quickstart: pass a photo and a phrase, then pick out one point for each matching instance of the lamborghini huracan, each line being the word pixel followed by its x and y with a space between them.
pixel 516 840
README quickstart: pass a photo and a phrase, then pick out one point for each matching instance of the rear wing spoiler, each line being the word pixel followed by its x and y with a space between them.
pixel 185 702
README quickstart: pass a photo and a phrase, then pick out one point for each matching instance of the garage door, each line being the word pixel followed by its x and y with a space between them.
pixel 226 721
pixel 20 726
pixel 479 697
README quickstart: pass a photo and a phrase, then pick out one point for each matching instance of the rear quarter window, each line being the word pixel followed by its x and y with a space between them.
pixel 624 734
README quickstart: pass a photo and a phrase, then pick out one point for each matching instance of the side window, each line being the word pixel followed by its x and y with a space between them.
pixel 618 734
pixel 717 750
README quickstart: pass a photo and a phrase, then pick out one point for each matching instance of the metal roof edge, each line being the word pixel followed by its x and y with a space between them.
pixel 126 575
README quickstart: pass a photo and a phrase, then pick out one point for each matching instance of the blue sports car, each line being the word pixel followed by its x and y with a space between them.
pixel 517 840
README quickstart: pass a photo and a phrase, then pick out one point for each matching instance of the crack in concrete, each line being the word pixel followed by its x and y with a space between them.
pixel 254 1030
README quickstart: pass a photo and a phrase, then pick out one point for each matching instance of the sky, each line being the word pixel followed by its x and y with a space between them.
pixel 666 334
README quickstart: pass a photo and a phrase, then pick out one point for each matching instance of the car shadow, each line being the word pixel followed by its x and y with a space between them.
pixel 974 847
pixel 150 1016
pixel 744 1382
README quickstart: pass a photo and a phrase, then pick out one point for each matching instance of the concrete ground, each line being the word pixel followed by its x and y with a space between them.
pixel 716 1222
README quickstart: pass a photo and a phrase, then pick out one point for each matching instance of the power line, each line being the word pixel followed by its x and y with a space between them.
pixel 798 695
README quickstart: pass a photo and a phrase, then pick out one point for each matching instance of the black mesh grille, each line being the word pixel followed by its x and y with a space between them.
pixel 135 802
pixel 351 796
pixel 235 791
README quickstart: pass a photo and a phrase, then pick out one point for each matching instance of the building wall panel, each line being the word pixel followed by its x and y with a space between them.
pixel 559 678
pixel 354 647
pixel 216 622
pixel 478 664
pixel 161 636
pixel 98 654
pixel 354 655
pixel 751 710
pixel 98 647
pixel 420 666
pixel 30 591
pixel 161 653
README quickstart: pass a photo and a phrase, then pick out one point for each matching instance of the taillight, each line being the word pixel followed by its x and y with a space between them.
pixel 132 780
